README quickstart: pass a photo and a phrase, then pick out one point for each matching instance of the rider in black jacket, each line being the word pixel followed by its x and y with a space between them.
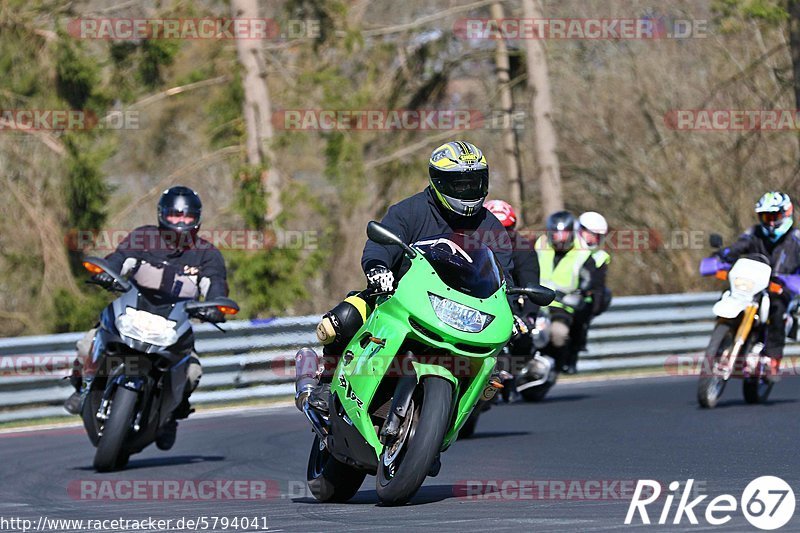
pixel 525 272
pixel 452 203
pixel 170 258
pixel 775 238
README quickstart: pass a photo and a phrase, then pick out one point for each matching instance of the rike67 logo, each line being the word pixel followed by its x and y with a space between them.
pixel 767 503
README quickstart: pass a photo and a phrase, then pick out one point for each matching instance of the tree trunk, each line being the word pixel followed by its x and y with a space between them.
pixel 257 109
pixel 510 142
pixel 544 133
pixel 794 44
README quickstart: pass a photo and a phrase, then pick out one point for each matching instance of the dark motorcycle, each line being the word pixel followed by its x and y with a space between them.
pixel 140 353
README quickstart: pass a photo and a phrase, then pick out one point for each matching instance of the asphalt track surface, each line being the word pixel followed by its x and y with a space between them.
pixel 622 430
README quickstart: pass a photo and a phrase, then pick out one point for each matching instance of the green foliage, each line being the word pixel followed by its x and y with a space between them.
pixel 273 280
pixel 772 12
pixel 76 313
pixel 268 282
pixel 76 74
pixel 156 54
pixel 18 61
pixel 251 201
pixel 86 192
pixel 325 11
pixel 344 167
pixel 224 114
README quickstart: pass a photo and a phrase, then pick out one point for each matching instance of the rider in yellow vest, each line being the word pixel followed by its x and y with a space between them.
pixel 569 267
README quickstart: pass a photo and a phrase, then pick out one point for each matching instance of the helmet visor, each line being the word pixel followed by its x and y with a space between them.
pixel 771 218
pixel 472 185
pixel 187 217
pixel 591 238
pixel 560 239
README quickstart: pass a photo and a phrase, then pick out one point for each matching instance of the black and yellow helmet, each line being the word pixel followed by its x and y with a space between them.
pixel 459 177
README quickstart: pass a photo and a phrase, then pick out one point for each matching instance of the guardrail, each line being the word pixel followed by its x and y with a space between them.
pixel 255 358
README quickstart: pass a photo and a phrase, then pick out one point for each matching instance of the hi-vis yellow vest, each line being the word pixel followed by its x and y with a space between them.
pixel 566 276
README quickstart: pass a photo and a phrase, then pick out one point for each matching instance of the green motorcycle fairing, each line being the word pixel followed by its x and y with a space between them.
pixel 375 349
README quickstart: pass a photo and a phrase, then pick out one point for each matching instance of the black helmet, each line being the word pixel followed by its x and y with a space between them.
pixel 560 228
pixel 180 201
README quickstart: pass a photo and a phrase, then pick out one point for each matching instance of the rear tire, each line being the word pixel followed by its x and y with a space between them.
pixel 329 479
pixel 398 481
pixel 756 390
pixel 710 387
pixel 110 446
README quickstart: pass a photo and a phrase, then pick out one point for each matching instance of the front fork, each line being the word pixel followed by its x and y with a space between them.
pixel 739 340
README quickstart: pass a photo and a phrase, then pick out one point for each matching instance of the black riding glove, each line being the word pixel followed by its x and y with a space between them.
pixel 104 279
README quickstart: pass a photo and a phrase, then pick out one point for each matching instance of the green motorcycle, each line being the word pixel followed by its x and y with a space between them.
pixel 411 376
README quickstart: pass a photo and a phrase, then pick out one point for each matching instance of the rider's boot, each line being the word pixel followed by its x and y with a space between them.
pixel 73 404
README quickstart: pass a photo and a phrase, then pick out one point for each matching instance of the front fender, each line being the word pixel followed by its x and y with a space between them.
pixel 423 369
pixel 729 307
pixel 132 383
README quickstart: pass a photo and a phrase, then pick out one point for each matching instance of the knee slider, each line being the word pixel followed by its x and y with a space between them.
pixel 193 373
pixel 343 321
pixel 559 334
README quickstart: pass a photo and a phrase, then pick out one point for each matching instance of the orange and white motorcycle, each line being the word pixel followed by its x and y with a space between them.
pixel 737 342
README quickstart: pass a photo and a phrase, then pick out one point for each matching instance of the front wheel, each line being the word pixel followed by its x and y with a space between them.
pixel 404 464
pixel 110 453
pixel 537 393
pixel 329 479
pixel 711 384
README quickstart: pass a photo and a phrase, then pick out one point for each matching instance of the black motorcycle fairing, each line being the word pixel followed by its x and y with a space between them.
pixel 346 444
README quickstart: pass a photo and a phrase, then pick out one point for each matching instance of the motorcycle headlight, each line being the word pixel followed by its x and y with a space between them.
pixel 147 327
pixel 459 316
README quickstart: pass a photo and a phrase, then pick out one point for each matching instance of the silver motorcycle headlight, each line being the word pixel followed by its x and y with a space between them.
pixel 147 327
pixel 459 316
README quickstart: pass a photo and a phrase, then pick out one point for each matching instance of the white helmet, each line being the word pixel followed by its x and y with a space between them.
pixel 593 223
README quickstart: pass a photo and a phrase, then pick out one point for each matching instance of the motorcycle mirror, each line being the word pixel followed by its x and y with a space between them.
pixel 715 240
pixel 536 293
pixel 377 232
pixel 96 265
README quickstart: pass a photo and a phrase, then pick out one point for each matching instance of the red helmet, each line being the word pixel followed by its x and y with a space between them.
pixel 503 211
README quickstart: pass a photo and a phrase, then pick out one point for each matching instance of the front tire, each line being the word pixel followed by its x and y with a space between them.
pixel 329 479
pixel 110 446
pixel 403 468
pixel 710 387
pixel 536 394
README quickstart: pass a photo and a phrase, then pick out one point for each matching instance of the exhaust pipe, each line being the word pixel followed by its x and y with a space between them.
pixel 307 375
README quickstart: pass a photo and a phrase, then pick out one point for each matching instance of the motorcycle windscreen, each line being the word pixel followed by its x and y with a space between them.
pixel 463 263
